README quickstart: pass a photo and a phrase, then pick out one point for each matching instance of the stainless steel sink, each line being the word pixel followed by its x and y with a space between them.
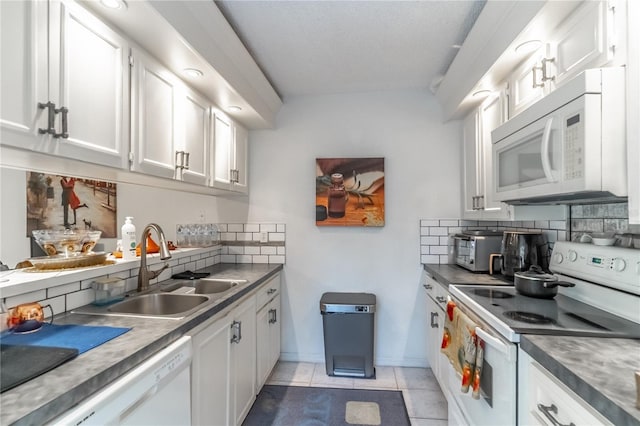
pixel 215 285
pixel 158 304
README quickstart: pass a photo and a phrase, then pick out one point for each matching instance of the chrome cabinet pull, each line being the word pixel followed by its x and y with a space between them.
pixel 434 316
pixel 545 76
pixel 179 160
pixel 65 127
pixel 440 299
pixel 236 326
pixel 51 117
pixel 549 411
pixel 535 77
pixel 271 291
pixel 185 160
pixel 273 316
pixel 427 286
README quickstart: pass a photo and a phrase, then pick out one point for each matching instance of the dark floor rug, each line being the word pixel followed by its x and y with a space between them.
pixel 308 406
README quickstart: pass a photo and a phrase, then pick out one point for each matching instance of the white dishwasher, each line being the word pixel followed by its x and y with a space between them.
pixel 158 392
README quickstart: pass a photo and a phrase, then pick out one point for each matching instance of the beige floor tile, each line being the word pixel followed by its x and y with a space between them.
pixel 425 404
pixel 416 378
pixel 291 373
pixel 322 380
pixel 385 379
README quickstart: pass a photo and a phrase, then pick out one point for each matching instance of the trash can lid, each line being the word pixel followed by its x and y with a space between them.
pixel 347 302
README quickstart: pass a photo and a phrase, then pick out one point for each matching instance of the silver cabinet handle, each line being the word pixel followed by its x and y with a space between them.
pixel 273 316
pixel 427 286
pixel 440 299
pixel 545 76
pixel 65 127
pixel 549 411
pixel 185 161
pixel 179 160
pixel 434 318
pixel 236 327
pixel 51 117
pixel 535 77
pixel 271 291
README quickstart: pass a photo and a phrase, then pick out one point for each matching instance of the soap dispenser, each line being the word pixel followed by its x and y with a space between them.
pixel 128 239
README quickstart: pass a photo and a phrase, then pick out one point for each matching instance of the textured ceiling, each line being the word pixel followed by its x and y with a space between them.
pixel 320 47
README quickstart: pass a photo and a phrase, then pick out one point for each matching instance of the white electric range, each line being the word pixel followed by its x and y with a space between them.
pixel 604 303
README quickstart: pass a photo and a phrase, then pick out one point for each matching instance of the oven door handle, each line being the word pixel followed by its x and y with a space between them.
pixel 495 343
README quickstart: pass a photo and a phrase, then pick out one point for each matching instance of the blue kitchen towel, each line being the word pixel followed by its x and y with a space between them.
pixel 80 337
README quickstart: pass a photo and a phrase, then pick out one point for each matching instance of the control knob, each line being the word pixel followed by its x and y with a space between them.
pixel 558 258
pixel 619 265
pixel 573 256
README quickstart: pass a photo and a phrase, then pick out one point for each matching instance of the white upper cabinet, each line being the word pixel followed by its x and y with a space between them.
pixel 478 162
pixel 587 39
pixel 527 83
pixel 230 149
pixel 171 135
pixel 65 82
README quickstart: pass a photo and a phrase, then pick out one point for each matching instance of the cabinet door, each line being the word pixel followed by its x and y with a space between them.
pixel 492 115
pixel 89 76
pixel 241 160
pixel 153 143
pixel 211 374
pixel 525 85
pixel 244 360
pixel 433 334
pixel 583 41
pixel 196 114
pixel 23 73
pixel 222 151
pixel 471 167
pixel 262 346
pixel 274 332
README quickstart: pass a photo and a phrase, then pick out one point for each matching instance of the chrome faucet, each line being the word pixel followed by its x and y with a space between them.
pixel 144 275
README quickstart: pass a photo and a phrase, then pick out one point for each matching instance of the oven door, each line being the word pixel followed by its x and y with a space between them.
pixel 497 402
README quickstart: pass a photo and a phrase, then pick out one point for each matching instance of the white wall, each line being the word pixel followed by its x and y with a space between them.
pixel 422 179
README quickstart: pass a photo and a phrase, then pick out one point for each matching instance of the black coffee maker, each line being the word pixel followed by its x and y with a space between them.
pixel 520 250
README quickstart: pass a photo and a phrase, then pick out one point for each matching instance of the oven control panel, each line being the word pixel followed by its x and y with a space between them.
pixel 614 267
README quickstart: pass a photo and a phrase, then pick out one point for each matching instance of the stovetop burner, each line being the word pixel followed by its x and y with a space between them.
pixel 496 294
pixel 529 317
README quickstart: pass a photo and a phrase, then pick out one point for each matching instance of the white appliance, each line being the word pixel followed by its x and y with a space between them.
pixel 568 147
pixel 158 392
pixel 604 303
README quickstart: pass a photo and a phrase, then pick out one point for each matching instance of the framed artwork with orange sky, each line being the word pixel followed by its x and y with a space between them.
pixel 350 191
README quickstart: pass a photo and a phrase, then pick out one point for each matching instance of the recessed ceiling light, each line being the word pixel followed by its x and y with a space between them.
pixel 193 72
pixel 482 92
pixel 528 46
pixel 114 4
pixel 234 108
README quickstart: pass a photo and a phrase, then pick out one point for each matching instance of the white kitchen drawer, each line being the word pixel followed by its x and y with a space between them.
pixel 565 406
pixel 268 291
pixel 437 291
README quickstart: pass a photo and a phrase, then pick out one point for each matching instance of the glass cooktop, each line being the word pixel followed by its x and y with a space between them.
pixel 512 313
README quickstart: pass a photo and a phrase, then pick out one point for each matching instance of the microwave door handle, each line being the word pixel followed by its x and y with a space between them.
pixel 495 343
pixel 544 154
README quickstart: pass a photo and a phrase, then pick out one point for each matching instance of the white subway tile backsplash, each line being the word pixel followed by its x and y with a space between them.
pixel 430 258
pixel 429 223
pixel 449 222
pixel 425 249
pixel 80 298
pixel 268 227
pixel 430 241
pixel 251 227
pixel 252 250
pixel 235 227
pixel 443 241
pixel 280 227
pixel 32 296
pixel 228 236
pixel 243 236
pixel 58 305
pixel 438 250
pixel 222 227
pixel 424 230
pixel 438 230
pixel 542 224
pixel 260 259
pixel 228 258
pixel 276 259
pixel 276 236
pixel 444 259
pixel 266 250
pixel 558 224
pixel 236 249
pixel 243 258
pixel 281 250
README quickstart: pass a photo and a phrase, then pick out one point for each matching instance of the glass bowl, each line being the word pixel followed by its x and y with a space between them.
pixel 66 242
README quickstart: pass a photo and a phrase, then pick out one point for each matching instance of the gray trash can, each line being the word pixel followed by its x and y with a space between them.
pixel 348 323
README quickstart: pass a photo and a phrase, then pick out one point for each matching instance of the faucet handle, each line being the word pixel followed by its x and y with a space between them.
pixel 154 274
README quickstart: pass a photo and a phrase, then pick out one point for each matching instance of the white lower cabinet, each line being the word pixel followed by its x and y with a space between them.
pixel 545 401
pixel 436 305
pixel 268 329
pixel 223 370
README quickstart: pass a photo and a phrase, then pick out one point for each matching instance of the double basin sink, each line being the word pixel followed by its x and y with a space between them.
pixel 174 299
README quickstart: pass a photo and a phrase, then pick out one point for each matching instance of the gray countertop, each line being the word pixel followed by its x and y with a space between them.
pixel 600 370
pixel 453 274
pixel 49 395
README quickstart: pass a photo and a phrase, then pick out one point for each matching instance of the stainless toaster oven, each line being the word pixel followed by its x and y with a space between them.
pixel 471 249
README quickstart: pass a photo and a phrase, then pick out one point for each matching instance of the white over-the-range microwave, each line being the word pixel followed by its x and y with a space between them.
pixel 570 146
